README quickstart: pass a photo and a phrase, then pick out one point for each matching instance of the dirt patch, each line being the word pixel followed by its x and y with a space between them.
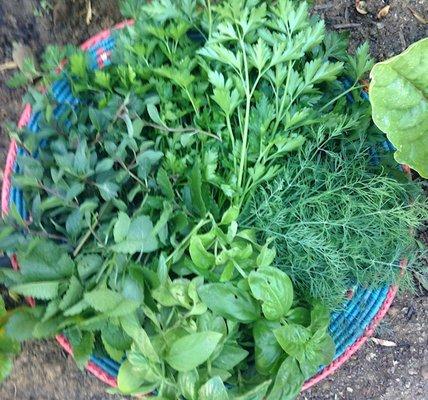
pixel 43 372
pixel 387 36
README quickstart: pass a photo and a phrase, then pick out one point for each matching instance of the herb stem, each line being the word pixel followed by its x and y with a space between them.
pixel 247 117
pixel 354 86
pixel 186 239
pixel 89 232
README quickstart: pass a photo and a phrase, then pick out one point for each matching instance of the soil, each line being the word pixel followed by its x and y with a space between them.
pixel 43 372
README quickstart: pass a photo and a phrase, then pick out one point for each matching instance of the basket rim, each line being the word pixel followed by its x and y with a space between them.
pixel 93 368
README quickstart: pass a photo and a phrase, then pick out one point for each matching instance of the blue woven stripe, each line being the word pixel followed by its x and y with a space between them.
pixel 346 325
pixel 107 45
pixel 108 365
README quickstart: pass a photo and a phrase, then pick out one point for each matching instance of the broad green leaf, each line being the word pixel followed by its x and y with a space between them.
pixel 299 315
pixel 21 323
pixel 288 382
pixel 154 114
pixel 231 355
pixel 255 393
pixel 230 302
pixel 268 352
pixel 6 366
pixel 108 190
pixel 274 289
pixel 132 380
pixel 320 318
pixel 190 351
pixel 45 260
pixel 202 258
pixel 266 256
pixel 104 165
pixel 139 237
pixel 293 339
pixel 110 302
pixel 146 161
pixel 165 184
pixel 121 227
pixel 319 351
pixel 188 384
pixel 116 337
pixel 399 97
pixel 133 328
pixel 230 215
pixel 213 389
pixel 78 64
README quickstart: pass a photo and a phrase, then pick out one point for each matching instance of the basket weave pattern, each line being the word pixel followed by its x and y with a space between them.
pixel 350 327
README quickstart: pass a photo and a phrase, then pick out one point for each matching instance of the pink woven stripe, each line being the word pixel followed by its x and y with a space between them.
pixel 10 162
pixel 91 367
pixel 104 34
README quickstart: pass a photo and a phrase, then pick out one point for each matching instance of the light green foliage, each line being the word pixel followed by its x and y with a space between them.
pixel 399 95
pixel 335 223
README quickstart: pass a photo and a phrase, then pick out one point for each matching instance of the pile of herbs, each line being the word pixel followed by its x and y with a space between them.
pixel 147 237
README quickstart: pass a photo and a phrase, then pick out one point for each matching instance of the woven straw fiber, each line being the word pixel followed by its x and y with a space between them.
pixel 350 327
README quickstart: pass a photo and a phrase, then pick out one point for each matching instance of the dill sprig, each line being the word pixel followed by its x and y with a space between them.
pixel 335 222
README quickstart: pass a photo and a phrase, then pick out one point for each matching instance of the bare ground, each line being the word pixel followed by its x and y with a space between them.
pixel 43 372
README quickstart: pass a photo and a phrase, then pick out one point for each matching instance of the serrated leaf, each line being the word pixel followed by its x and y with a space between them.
pixel 73 294
pixel 39 290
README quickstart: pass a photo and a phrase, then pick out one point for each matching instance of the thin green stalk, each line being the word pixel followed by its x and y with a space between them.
pixel 247 118
pixel 354 86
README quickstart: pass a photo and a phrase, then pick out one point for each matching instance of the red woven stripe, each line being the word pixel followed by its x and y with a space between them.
pixel 91 367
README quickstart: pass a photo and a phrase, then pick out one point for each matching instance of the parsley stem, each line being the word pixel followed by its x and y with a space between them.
pixel 232 139
pixel 247 117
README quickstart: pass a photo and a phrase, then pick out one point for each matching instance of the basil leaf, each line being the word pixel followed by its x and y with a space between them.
pixel 319 351
pixel 213 389
pixel 288 382
pixel 190 351
pixel 231 355
pixel 274 289
pixel 320 318
pixel 399 97
pixel 132 380
pixel 268 352
pixel 188 384
pixel 202 258
pixel 229 302
pixel 293 339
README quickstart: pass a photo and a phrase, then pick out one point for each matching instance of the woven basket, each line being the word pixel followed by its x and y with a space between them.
pixel 350 327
